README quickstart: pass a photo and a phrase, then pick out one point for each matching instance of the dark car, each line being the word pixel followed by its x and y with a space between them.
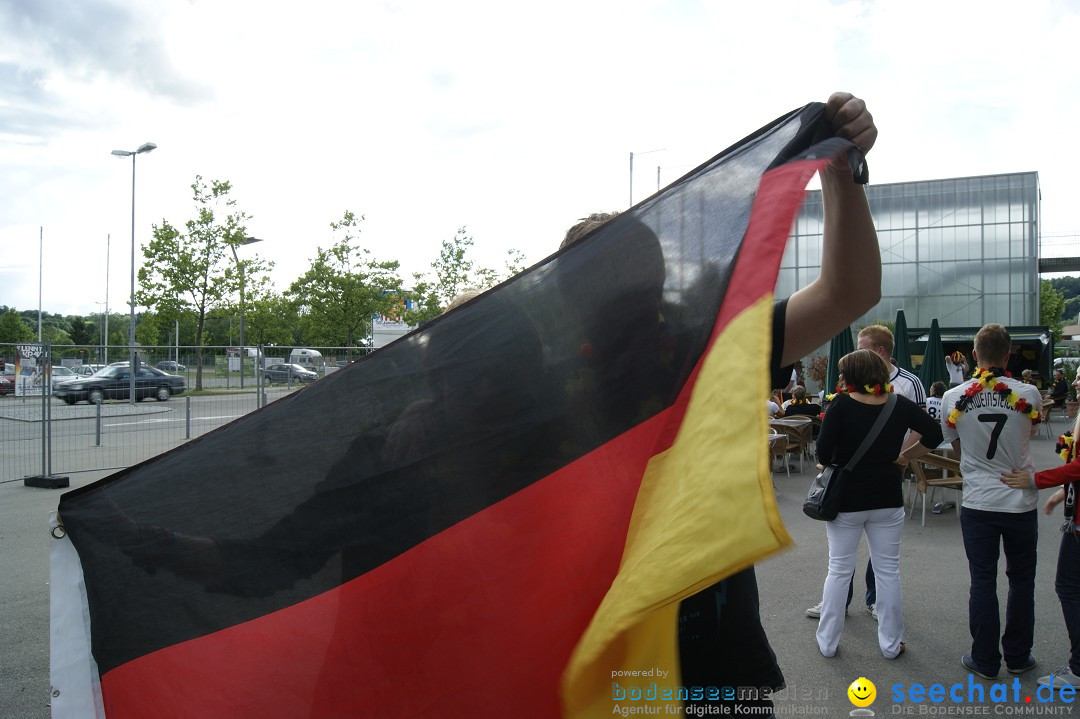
pixel 7 386
pixel 288 373
pixel 114 381
pixel 170 366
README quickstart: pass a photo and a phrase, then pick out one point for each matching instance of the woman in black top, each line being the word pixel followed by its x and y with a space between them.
pixel 873 498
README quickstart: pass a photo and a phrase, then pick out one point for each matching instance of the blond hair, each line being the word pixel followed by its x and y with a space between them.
pixel 880 335
pixel 992 345
pixel 863 367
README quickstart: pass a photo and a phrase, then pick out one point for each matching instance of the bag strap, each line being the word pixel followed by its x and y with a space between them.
pixel 875 430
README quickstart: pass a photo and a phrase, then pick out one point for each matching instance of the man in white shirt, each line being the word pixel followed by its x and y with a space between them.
pixel 992 429
pixel 879 339
pixel 933 402
pixel 957 366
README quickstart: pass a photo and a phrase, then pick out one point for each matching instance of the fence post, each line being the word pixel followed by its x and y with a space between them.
pixel 187 420
pixel 46 402
pixel 41 354
pixel 98 428
pixel 41 360
pixel 260 368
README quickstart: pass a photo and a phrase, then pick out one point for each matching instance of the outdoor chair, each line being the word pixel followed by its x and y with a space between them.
pixel 933 471
pixel 798 431
pixel 1049 410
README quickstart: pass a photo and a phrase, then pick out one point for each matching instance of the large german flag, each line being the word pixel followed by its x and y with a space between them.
pixel 495 516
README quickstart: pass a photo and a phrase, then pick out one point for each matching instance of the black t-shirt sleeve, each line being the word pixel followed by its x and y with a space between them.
pixel 780 375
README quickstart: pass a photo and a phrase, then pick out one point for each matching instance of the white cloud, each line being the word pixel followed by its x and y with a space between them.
pixel 510 120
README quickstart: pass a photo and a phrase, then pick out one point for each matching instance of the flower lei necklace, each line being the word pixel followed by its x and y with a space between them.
pixel 985 379
pixel 866 388
pixel 1066 446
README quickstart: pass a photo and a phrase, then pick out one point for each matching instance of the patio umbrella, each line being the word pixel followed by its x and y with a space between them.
pixel 901 351
pixel 933 366
pixel 839 346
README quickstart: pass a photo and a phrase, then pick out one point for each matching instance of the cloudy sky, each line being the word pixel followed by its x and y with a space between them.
pixel 427 116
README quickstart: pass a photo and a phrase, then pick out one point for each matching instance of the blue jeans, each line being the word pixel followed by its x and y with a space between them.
pixel 1067 586
pixel 985 533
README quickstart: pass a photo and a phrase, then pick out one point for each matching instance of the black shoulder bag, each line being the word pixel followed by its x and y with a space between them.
pixel 823 500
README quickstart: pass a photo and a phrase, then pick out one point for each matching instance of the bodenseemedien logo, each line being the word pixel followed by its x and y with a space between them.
pixel 862 693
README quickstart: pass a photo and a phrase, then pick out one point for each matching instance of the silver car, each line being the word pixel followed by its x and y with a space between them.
pixel 288 373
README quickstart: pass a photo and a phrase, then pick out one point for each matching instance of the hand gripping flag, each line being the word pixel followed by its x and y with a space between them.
pixel 493 516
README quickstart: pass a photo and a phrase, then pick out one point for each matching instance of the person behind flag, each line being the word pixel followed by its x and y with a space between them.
pixel 1067 582
pixel 990 422
pixel 721 638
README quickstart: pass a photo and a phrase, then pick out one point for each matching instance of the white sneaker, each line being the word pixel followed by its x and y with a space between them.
pixel 815 611
pixel 872 608
pixel 1062 677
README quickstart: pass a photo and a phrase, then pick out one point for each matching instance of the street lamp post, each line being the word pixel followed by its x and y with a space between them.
pixel 145 147
pixel 240 267
pixel 647 152
pixel 105 344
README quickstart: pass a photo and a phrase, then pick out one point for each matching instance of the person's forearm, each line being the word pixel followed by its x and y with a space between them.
pixel 1058 475
pixel 850 257
pixel 915 451
pixel 849 284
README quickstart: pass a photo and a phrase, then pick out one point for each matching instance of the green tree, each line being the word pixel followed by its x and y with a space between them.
pixel 1051 307
pixel 343 289
pixel 195 271
pixel 13 329
pixel 54 335
pixel 82 333
pixel 1072 310
pixel 452 273
pixel 149 331
pixel 272 319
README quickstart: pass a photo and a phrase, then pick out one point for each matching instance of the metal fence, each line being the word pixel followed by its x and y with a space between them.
pixel 43 434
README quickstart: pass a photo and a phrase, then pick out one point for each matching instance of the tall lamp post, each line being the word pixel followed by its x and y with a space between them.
pixel 240 267
pixel 145 147
pixel 647 152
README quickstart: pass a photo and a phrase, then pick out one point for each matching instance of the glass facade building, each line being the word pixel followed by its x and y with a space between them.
pixel 964 251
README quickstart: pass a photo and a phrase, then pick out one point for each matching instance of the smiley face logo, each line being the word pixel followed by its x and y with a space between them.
pixel 862 692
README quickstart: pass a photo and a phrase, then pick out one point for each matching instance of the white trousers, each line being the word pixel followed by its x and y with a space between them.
pixel 883 528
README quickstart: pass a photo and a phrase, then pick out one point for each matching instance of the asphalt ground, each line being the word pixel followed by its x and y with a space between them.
pixel 935 585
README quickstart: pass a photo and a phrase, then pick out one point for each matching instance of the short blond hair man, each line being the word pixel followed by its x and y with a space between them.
pixel 992 429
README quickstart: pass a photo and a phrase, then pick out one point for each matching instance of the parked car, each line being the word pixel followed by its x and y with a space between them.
pixel 85 370
pixel 288 373
pixel 7 384
pixel 59 375
pixel 171 366
pixel 113 382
